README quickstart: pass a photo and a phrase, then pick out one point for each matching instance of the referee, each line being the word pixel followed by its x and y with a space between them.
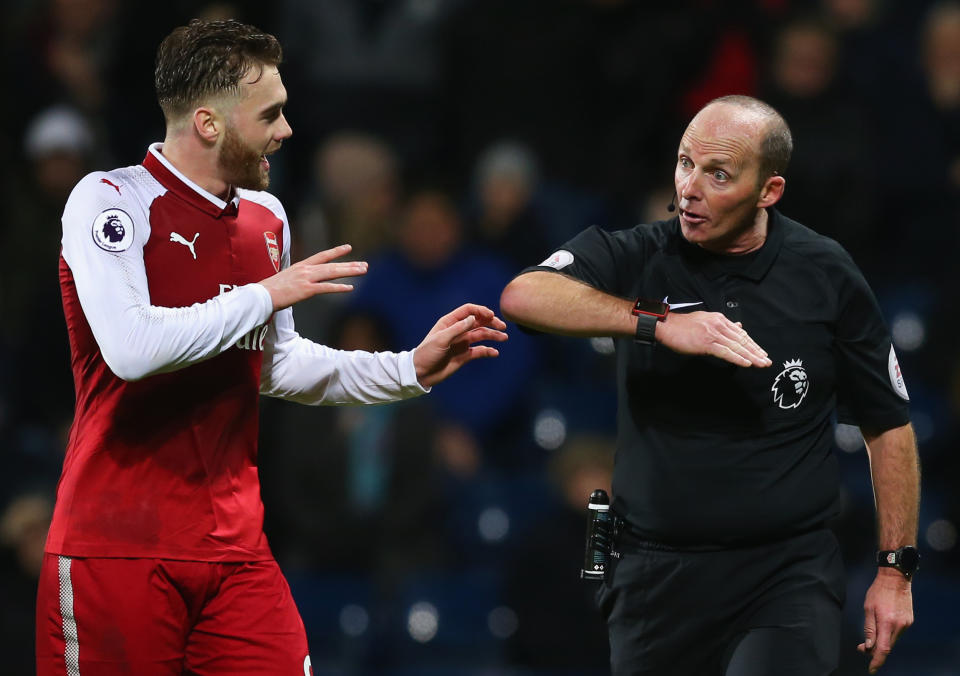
pixel 725 476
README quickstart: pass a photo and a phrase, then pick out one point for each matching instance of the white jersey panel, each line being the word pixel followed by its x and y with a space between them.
pixel 106 225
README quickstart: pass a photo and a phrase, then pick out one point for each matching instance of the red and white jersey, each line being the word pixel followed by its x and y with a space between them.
pixel 172 341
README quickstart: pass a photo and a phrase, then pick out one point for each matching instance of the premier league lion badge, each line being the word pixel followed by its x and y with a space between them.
pixel 113 230
pixel 791 385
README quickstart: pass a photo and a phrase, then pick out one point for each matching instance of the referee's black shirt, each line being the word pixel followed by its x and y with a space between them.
pixel 710 453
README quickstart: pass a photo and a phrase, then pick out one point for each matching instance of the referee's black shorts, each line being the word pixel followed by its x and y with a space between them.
pixel 759 610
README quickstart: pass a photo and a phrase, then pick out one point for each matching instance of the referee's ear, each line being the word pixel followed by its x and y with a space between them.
pixel 772 191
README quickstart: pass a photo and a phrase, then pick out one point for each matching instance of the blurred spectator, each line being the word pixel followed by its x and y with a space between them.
pixel 59 145
pixel 356 196
pixel 941 61
pixel 369 65
pixel 920 187
pixel 430 267
pixel 23 530
pixel 352 489
pixel 503 214
pixel 830 181
pixel 572 80
pixel 559 625
pixel 875 53
pixel 74 42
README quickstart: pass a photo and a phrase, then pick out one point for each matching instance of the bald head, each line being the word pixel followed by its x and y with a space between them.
pixel 764 126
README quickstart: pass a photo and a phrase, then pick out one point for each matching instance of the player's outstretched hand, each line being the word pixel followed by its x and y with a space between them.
pixel 887 612
pixel 312 276
pixel 450 343
pixel 711 333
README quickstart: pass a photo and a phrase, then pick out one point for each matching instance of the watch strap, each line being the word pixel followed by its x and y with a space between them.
pixel 648 313
pixel 646 329
pixel 905 559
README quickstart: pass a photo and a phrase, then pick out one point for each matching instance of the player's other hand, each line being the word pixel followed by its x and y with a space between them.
pixel 450 343
pixel 713 334
pixel 887 612
pixel 312 276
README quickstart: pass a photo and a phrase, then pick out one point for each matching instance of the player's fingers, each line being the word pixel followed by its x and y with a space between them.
pixel 337 270
pixel 481 352
pixel 328 254
pixel 448 335
pixel 496 323
pixel 331 287
pixel 481 312
pixel 484 333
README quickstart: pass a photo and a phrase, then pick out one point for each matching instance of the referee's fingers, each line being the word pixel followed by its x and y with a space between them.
pixel 736 333
pixel 879 656
pixel 869 631
pixel 886 635
pixel 728 353
pixel 753 355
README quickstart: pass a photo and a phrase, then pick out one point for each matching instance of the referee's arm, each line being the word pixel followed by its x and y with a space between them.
pixel 555 303
pixel 895 469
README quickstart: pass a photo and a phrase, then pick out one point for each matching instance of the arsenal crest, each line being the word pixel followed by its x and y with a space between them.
pixel 273 249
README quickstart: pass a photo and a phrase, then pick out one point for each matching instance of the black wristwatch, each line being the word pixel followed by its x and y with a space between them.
pixel 906 560
pixel 648 313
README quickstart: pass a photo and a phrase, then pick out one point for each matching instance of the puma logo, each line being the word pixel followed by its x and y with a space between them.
pixel 178 238
pixel 111 184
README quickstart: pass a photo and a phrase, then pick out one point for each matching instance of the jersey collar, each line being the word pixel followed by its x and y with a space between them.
pixel 172 179
pixel 753 265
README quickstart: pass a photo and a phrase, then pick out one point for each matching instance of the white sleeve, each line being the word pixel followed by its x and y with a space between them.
pixel 138 339
pixel 309 373
pixel 300 370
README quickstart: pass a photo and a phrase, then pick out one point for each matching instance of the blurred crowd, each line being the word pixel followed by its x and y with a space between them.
pixel 453 143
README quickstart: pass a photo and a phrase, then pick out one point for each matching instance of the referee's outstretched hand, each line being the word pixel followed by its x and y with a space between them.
pixel 713 334
pixel 450 343
pixel 887 611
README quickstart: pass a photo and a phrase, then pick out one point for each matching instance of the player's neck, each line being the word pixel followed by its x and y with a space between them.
pixel 196 161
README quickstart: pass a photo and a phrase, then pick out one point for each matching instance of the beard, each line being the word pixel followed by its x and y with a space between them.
pixel 241 164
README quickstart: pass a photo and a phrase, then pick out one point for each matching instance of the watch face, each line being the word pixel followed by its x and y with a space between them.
pixel 909 559
pixel 650 307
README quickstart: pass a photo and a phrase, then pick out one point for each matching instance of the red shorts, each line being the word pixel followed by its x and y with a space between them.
pixel 156 616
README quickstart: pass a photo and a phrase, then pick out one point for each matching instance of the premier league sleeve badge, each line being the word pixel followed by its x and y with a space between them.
pixel 113 230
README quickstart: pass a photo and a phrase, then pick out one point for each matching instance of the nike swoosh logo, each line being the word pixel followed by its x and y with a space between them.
pixel 677 306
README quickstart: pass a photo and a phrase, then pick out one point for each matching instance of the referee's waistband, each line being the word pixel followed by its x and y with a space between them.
pixel 627 539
